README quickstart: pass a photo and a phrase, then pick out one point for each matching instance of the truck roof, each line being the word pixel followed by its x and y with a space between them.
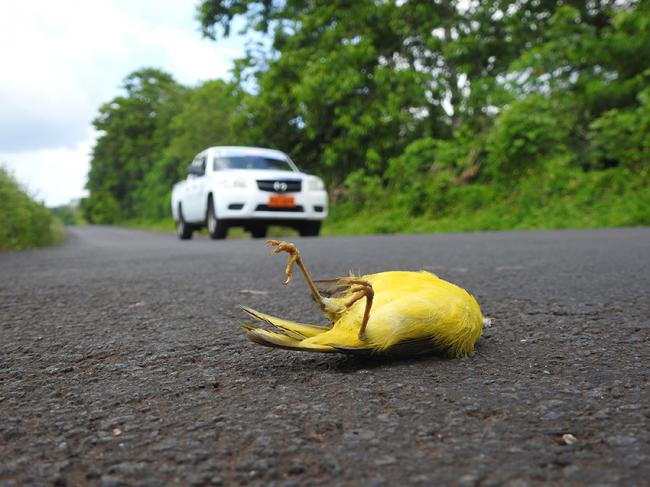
pixel 233 150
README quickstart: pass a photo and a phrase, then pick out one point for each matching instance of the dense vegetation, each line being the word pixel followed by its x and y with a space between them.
pixel 24 223
pixel 68 214
pixel 419 115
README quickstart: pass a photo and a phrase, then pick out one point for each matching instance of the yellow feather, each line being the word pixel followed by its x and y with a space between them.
pixel 297 330
pixel 412 313
pixel 277 340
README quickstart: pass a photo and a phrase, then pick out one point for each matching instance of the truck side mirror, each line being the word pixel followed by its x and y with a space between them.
pixel 194 170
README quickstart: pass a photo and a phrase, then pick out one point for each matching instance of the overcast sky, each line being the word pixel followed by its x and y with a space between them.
pixel 61 60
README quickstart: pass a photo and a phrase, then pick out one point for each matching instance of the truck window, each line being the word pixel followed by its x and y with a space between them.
pixel 250 162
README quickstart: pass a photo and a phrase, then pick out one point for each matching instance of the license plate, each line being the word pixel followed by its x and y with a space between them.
pixel 281 201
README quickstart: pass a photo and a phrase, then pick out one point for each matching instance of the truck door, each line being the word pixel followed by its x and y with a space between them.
pixel 194 197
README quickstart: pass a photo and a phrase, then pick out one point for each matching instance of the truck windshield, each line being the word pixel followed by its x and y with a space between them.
pixel 250 162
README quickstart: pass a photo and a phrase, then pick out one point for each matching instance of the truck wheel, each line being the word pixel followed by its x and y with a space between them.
pixel 309 229
pixel 259 231
pixel 183 230
pixel 217 229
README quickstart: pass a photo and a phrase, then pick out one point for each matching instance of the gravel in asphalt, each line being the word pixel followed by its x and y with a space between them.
pixel 121 363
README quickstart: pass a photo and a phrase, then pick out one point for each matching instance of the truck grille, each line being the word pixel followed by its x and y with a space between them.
pixel 280 185
pixel 293 209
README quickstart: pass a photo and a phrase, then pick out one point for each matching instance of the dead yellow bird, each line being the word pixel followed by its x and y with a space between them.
pixel 389 313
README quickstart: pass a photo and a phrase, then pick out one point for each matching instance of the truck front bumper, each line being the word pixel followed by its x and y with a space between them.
pixel 242 205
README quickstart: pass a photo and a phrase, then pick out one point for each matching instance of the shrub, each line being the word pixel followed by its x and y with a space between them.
pixel 24 222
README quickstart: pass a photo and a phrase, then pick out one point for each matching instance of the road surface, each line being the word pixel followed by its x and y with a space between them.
pixel 121 363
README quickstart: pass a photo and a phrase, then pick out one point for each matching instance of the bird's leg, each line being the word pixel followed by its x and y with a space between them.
pixel 294 258
pixel 363 291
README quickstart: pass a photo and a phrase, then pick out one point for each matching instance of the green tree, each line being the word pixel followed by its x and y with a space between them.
pixel 208 116
pixel 341 90
pixel 589 65
pixel 530 131
pixel 621 137
pixel 435 104
pixel 135 129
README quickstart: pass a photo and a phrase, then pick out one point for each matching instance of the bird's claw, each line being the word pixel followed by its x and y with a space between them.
pixel 293 256
pixel 282 247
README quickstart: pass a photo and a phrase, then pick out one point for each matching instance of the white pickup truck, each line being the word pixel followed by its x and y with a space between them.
pixel 248 187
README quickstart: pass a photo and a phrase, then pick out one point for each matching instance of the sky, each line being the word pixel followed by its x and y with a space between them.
pixel 59 61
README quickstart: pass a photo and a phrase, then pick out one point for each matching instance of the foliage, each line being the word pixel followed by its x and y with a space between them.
pixel 134 131
pixel 531 130
pixel 206 118
pixel 24 222
pixel 148 137
pixel 418 114
pixel 607 198
pixel 622 137
pixel 68 214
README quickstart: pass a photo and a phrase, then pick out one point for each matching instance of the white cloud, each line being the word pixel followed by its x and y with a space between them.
pixel 61 60
pixel 189 57
pixel 54 176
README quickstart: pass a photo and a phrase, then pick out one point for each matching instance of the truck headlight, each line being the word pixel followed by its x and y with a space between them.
pixel 315 184
pixel 233 183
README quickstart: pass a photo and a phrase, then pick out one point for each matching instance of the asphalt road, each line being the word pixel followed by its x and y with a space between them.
pixel 121 363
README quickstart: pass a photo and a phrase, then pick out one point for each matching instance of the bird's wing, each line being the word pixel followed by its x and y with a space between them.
pixel 413 347
pixel 297 331
pixel 354 350
pixel 405 347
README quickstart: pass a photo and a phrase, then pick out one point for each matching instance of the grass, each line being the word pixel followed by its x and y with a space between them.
pixel 607 198
pixel 574 199
pixel 24 223
pixel 601 199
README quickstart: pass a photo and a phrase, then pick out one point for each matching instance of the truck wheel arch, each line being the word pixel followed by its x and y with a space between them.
pixel 183 229
pixel 217 229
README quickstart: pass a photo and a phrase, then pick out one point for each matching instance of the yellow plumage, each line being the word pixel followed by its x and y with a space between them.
pixel 390 312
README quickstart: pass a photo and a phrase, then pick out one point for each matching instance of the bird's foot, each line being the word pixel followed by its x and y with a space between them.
pixel 294 258
pixel 289 248
pixel 282 247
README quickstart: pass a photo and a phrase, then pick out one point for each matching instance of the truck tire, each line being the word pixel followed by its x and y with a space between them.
pixel 183 230
pixel 309 229
pixel 217 229
pixel 259 231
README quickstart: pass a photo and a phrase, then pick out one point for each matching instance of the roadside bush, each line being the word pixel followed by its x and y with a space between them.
pixel 24 223
pixel 530 130
pixel 410 177
pixel 363 190
pixel 102 208
pixel 67 214
pixel 622 137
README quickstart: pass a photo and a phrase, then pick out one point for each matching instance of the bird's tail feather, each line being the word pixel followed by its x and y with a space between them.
pixel 278 340
pixel 285 334
pixel 299 331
